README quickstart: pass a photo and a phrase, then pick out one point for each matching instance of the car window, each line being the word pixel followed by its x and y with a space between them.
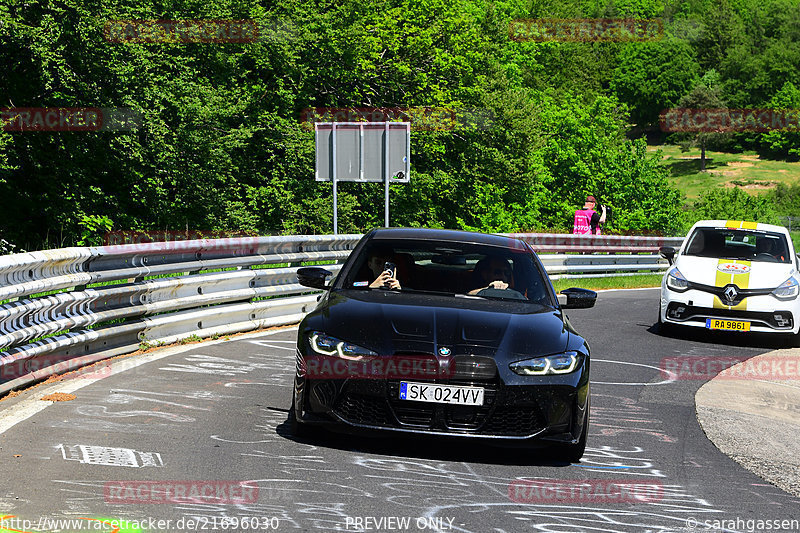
pixel 748 245
pixel 452 268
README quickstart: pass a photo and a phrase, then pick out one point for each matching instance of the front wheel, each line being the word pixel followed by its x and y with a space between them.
pixel 297 428
pixel 794 340
pixel 664 329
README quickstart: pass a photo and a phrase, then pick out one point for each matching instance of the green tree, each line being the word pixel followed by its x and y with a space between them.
pixel 706 94
pixel 785 142
pixel 735 204
pixel 652 76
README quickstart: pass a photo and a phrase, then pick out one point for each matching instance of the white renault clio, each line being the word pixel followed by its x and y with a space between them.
pixel 735 276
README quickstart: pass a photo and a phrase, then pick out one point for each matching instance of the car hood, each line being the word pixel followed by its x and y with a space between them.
pixel 389 322
pixel 745 274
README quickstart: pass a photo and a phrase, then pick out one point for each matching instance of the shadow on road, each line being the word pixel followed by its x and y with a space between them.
pixel 429 447
pixel 770 341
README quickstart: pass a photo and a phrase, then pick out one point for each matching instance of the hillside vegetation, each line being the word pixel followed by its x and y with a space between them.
pixel 222 146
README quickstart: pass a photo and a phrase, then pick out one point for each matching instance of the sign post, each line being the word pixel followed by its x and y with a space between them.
pixel 362 152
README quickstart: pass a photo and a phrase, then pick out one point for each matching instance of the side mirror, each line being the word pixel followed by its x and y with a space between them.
pixel 313 277
pixel 579 298
pixel 668 253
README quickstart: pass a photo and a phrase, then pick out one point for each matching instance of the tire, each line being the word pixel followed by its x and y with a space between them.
pixel 794 340
pixel 574 452
pixel 664 329
pixel 296 428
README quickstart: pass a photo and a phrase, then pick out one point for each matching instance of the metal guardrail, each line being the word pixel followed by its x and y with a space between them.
pixel 76 325
pixel 625 244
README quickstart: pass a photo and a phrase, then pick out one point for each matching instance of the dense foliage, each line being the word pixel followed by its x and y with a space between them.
pixel 222 146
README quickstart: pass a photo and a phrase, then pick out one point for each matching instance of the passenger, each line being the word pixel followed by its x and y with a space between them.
pixel 714 244
pixel 493 273
pixel 377 260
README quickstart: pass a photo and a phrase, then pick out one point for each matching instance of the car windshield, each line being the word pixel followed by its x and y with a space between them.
pixel 749 245
pixel 453 268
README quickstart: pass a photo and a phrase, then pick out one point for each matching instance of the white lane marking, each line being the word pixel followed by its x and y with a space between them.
pixel 672 375
pixel 105 456
pixel 30 406
pixel 266 344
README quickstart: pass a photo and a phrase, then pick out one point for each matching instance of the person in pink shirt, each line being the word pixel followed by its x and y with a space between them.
pixel 587 220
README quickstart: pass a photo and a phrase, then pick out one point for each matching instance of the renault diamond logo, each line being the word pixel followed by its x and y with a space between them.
pixel 731 293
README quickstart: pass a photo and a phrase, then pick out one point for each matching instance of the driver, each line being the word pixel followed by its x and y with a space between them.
pixel 767 246
pixel 495 272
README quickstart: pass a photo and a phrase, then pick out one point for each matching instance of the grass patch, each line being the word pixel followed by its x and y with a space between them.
pixel 619 282
pixel 745 170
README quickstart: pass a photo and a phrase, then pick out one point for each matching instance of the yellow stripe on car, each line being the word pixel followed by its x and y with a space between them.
pixel 741 280
pixel 733 224
pixel 740 224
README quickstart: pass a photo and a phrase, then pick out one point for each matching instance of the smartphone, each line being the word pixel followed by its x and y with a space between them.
pixel 391 267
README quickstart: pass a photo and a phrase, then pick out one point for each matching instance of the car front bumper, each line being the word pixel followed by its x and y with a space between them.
pixel 765 313
pixel 510 412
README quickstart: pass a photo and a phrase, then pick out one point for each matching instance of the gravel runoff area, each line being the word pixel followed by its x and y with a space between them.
pixel 752 414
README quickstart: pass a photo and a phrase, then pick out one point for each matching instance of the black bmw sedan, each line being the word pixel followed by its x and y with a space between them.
pixel 446 332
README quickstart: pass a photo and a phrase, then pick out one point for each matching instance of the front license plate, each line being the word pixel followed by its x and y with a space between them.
pixel 727 325
pixel 428 392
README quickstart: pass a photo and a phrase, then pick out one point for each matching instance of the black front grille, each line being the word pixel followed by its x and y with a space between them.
pixel 414 413
pixel 468 416
pixel 513 412
pixel 514 421
pixel 719 292
pixel 363 409
pixel 691 313
pixel 458 417
pixel 407 412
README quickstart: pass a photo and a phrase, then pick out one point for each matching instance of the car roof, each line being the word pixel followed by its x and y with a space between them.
pixel 445 235
pixel 739 224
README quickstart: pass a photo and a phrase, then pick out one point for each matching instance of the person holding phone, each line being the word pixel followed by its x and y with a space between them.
pixel 381 265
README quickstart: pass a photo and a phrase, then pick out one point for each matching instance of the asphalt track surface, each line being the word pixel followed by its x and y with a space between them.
pixel 217 412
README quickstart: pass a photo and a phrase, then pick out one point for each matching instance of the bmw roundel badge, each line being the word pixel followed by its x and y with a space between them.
pixel 444 351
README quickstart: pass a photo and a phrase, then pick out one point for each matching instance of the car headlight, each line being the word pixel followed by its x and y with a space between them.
pixel 787 290
pixel 676 281
pixel 327 345
pixel 562 363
